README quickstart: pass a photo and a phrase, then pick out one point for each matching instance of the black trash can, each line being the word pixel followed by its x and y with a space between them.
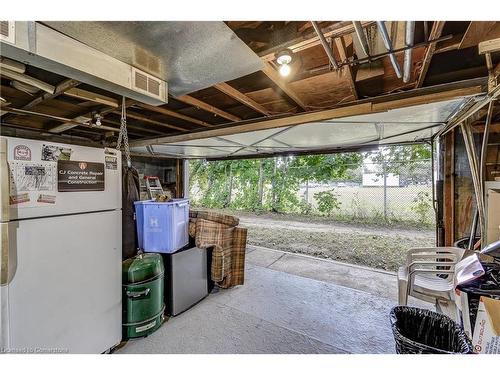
pixel 419 331
pixel 463 243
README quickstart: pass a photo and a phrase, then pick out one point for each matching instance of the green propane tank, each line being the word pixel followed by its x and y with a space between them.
pixel 143 306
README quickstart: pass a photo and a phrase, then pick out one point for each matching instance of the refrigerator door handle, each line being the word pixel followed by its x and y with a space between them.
pixel 4 254
pixel 4 182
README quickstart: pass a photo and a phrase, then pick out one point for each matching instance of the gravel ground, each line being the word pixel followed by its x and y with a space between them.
pixel 368 245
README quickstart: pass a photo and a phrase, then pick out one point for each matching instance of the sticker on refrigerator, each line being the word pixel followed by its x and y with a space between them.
pixel 45 198
pixel 55 153
pixel 19 198
pixel 111 162
pixel 22 152
pixel 31 176
pixel 31 183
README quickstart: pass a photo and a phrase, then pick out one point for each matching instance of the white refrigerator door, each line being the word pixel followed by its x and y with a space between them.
pixel 65 288
pixel 26 152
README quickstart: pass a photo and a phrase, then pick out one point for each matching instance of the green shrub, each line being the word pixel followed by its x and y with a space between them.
pixel 327 202
pixel 422 204
pixel 305 208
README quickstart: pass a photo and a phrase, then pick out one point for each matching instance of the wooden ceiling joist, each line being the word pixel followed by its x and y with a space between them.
pixel 489 46
pixel 479 31
pixel 347 70
pixel 242 98
pixel 65 85
pixel 26 79
pixel 437 29
pixel 187 99
pixel 139 117
pixel 144 130
pixel 311 39
pixel 60 89
pixel 168 112
pixel 274 76
pixel 86 116
pixel 449 45
pixel 92 97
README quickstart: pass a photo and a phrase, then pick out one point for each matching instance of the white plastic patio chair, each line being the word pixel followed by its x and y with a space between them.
pixel 428 274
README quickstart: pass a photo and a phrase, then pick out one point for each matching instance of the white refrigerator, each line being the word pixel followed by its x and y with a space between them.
pixel 60 252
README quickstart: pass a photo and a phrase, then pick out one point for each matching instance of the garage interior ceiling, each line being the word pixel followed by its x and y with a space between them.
pixel 404 125
pixel 173 51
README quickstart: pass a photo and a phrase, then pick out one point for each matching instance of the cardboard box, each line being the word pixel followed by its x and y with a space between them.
pixel 493 215
pixel 486 337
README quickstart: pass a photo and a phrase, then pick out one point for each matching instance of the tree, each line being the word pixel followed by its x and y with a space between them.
pixel 270 183
pixel 400 155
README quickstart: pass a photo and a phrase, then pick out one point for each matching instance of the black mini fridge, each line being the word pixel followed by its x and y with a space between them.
pixel 186 279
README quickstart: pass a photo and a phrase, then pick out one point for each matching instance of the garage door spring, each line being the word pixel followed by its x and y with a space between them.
pixel 123 136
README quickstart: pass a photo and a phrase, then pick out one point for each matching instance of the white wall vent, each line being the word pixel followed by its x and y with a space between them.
pixel 8 31
pixel 148 84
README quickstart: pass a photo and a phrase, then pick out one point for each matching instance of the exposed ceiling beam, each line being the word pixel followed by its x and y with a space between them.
pixel 347 70
pixel 207 107
pixel 451 44
pixel 13 65
pixel 60 88
pixel 65 85
pixel 489 46
pixel 479 31
pixel 367 106
pixel 134 127
pixel 15 76
pixel 139 117
pixel 85 116
pixel 168 112
pixel 78 121
pixel 311 39
pixel 93 97
pixel 437 29
pixel 282 84
pixel 242 98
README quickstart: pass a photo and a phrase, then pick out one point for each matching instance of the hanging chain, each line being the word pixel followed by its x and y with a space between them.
pixel 123 136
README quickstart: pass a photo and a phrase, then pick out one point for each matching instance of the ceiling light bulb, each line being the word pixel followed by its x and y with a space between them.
pixel 284 57
pixel 284 70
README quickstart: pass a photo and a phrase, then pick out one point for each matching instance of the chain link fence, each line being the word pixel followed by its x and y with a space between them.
pixel 388 192
pixel 392 192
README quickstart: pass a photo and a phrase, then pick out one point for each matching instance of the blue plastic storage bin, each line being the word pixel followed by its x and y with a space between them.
pixel 162 227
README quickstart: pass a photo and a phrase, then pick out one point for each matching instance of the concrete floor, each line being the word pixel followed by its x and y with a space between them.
pixel 290 303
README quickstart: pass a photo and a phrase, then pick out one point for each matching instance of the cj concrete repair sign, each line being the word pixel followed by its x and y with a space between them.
pixel 79 176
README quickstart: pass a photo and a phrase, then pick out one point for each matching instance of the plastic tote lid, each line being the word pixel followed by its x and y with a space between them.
pixel 152 201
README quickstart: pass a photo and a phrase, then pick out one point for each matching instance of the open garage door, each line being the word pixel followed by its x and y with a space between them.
pixel 397 126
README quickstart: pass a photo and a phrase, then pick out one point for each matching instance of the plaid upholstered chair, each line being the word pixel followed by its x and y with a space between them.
pixel 228 241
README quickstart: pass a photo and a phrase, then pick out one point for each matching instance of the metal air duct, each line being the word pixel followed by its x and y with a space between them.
pixel 362 37
pixel 388 45
pixel 409 40
pixel 325 45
